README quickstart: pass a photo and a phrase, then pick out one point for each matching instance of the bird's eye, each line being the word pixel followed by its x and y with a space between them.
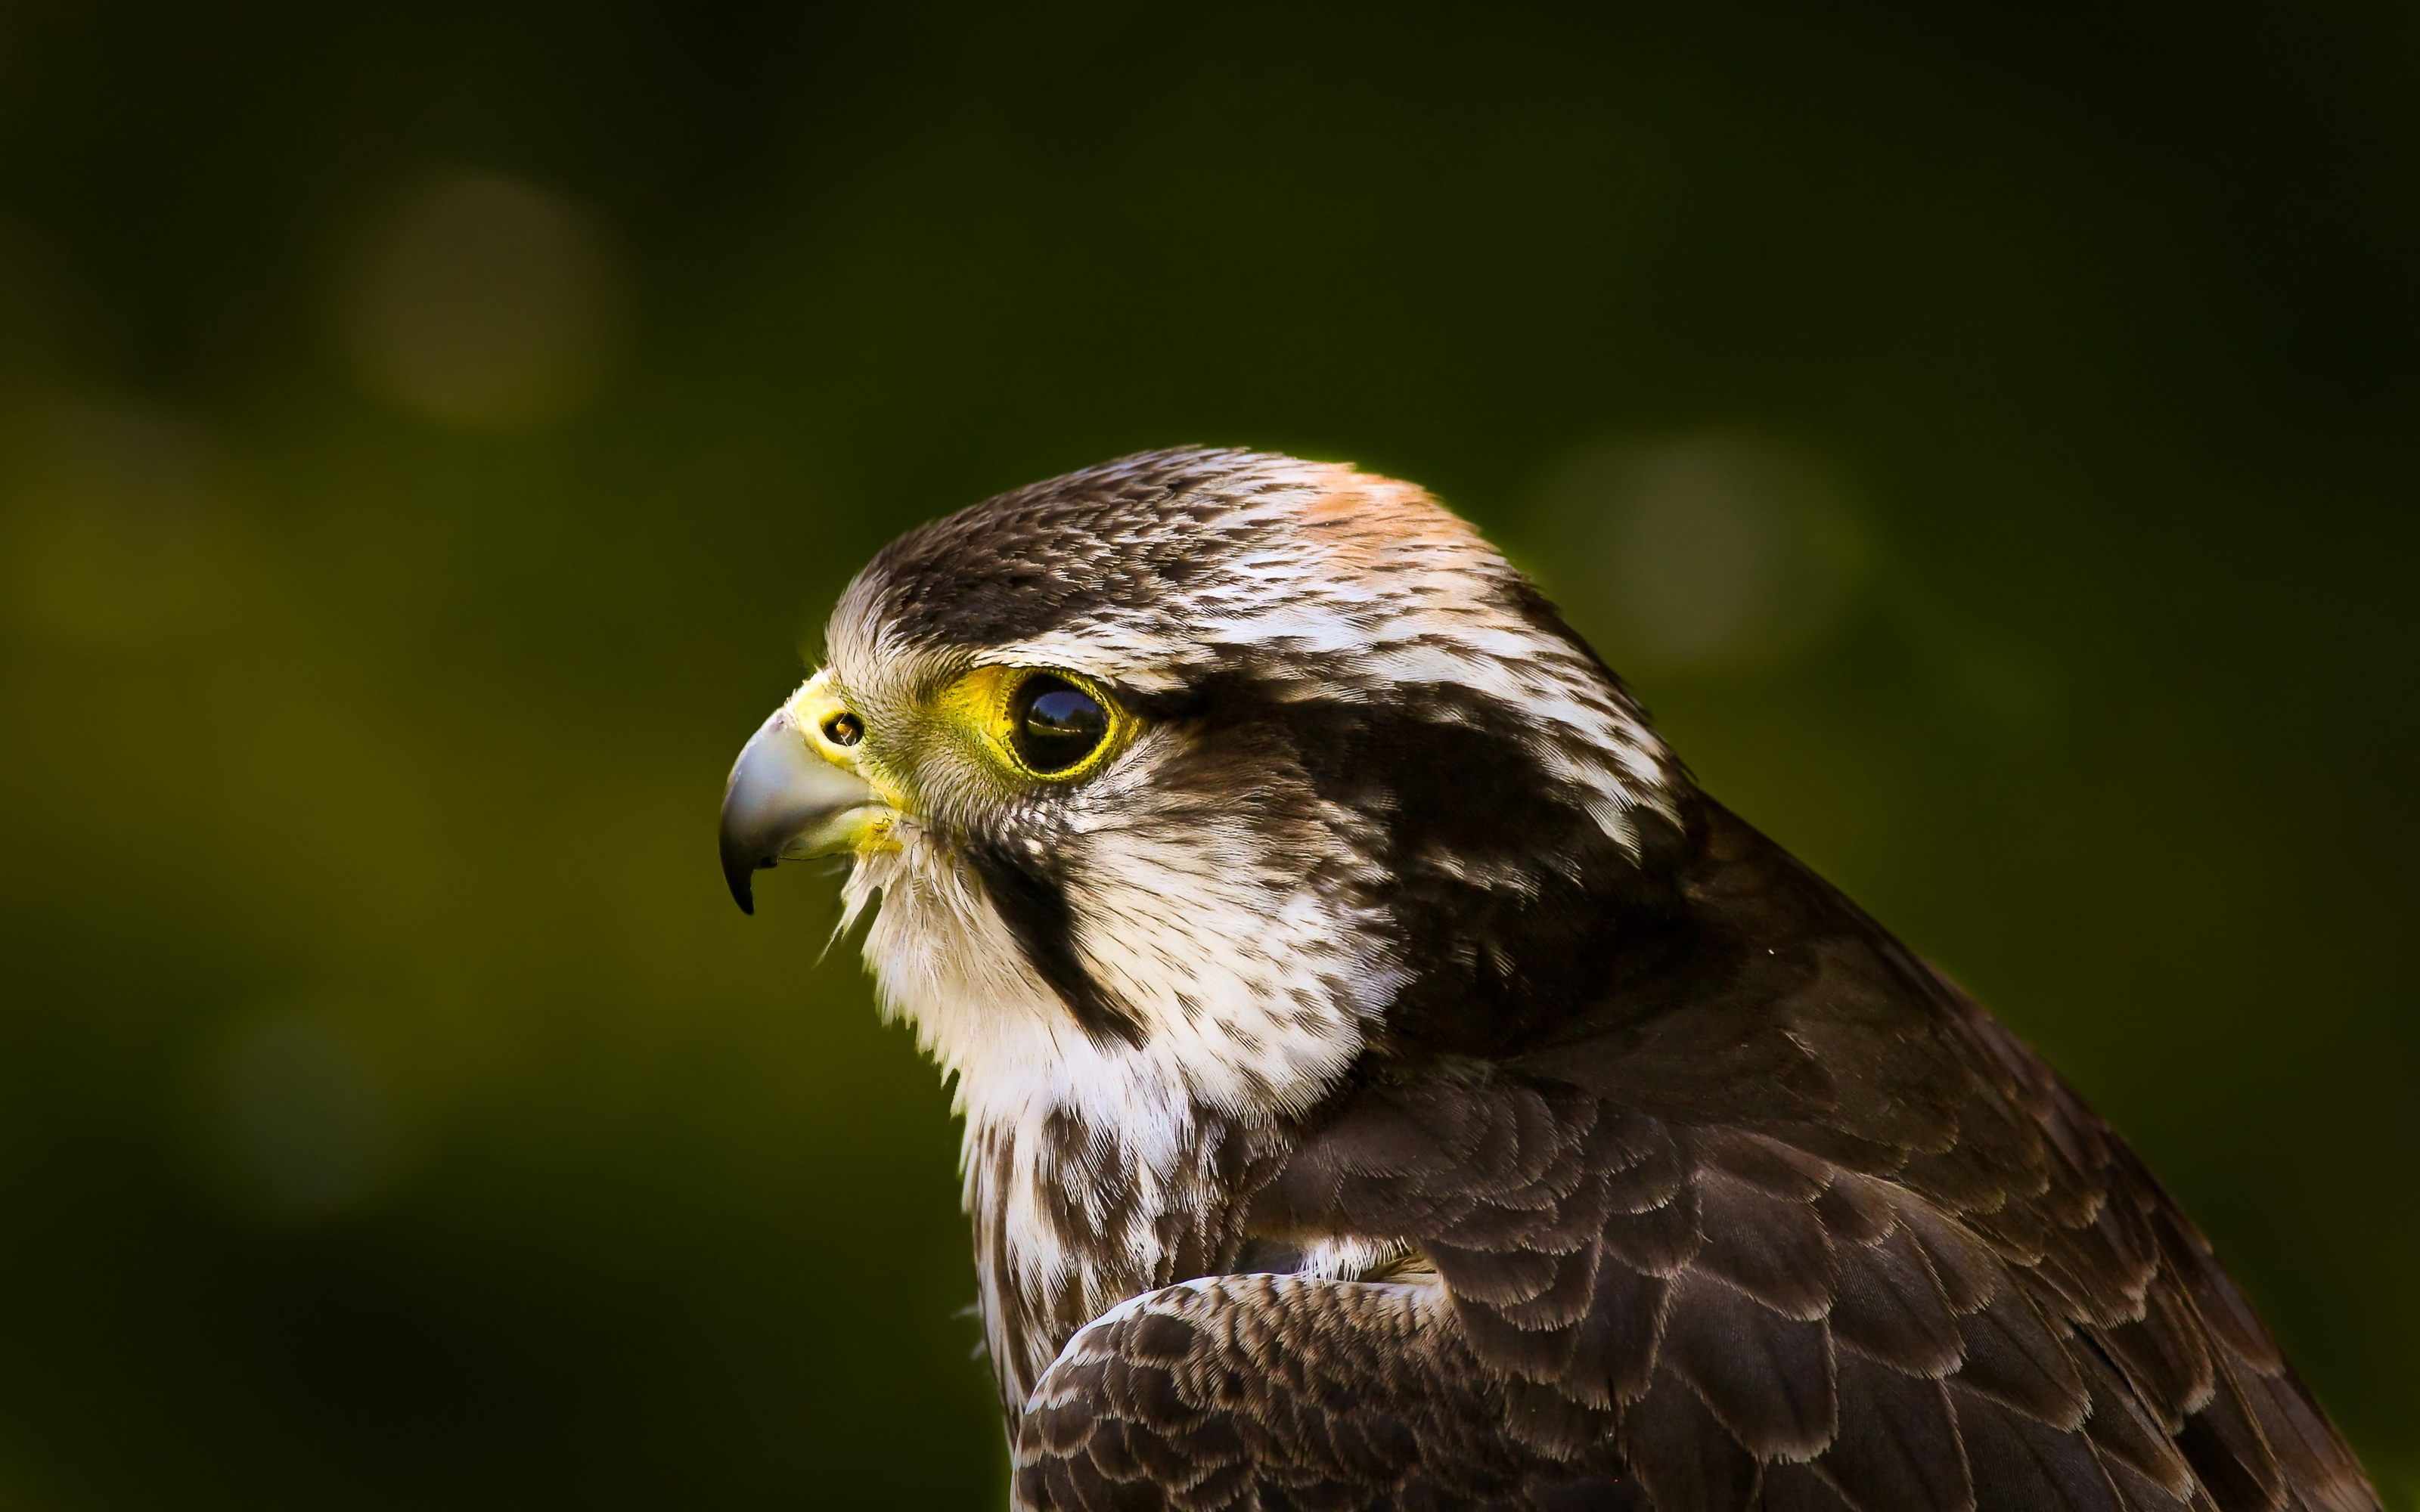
pixel 843 729
pixel 1054 724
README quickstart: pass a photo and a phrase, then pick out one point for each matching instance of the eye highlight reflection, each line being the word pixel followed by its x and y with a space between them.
pixel 1054 726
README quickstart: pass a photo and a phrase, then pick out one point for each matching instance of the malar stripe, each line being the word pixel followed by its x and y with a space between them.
pixel 1032 903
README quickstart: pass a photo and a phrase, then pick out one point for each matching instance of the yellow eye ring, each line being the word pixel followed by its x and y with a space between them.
pixel 1046 725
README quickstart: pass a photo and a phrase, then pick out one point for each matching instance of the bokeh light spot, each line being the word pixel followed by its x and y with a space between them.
pixel 305 1125
pixel 483 303
pixel 1719 551
pixel 109 544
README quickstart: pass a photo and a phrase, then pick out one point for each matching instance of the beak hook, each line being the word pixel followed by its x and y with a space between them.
pixel 784 801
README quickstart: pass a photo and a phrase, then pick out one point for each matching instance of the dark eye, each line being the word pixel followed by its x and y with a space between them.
pixel 1054 724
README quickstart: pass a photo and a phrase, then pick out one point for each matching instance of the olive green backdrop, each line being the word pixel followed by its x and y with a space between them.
pixel 430 434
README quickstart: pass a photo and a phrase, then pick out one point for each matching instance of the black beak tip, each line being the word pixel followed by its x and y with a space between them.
pixel 738 872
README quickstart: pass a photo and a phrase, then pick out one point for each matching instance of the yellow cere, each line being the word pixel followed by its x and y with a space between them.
pixel 870 827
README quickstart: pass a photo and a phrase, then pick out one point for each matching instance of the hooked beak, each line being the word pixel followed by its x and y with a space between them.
pixel 786 801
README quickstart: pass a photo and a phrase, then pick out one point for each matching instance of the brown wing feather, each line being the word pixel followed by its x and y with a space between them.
pixel 1268 1392
pixel 1790 1222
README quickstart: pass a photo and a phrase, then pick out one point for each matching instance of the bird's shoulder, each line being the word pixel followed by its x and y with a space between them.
pixel 1782 1196
pixel 1756 1005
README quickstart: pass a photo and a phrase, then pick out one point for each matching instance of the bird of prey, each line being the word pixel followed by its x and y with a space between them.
pixel 1390 1082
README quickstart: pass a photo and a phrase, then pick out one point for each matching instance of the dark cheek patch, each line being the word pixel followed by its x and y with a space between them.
pixel 1031 897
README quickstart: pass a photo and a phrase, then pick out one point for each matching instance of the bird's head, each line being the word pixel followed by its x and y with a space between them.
pixel 1211 768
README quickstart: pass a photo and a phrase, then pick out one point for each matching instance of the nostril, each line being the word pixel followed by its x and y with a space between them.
pixel 843 729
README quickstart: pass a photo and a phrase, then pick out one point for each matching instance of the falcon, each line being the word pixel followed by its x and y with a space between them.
pixel 1390 1082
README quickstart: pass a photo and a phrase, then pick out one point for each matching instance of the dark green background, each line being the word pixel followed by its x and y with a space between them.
pixel 395 1112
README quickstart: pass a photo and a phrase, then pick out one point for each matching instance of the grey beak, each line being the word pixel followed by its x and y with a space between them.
pixel 784 801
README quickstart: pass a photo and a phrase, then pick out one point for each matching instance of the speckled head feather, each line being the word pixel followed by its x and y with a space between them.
pixel 1312 581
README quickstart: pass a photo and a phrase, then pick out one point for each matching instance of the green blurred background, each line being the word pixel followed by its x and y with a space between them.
pixel 431 434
